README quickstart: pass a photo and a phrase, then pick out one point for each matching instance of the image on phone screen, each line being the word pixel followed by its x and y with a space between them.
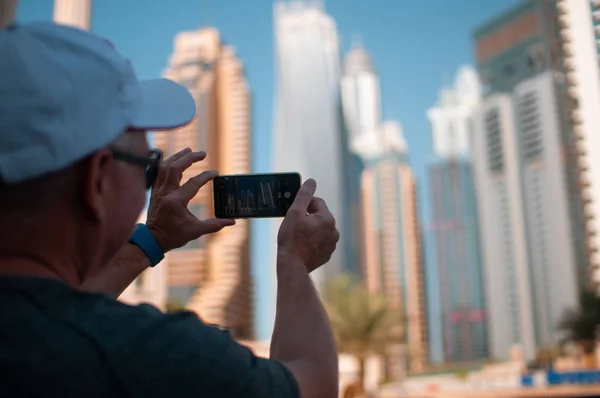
pixel 255 195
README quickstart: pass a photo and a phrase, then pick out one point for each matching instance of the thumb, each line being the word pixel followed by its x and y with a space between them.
pixel 304 196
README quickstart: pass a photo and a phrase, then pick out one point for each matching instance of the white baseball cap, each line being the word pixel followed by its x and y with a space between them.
pixel 65 93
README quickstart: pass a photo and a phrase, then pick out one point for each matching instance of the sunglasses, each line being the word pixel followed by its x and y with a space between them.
pixel 150 163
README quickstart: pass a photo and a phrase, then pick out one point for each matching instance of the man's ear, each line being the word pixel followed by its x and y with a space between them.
pixel 97 183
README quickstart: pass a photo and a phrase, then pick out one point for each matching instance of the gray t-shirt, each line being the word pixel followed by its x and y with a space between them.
pixel 56 341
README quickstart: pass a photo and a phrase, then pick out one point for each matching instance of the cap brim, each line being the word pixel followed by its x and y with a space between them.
pixel 164 105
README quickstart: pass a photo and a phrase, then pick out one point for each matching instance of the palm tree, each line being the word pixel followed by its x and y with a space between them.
pixel 362 322
pixel 581 325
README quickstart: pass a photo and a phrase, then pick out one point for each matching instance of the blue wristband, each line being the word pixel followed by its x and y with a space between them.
pixel 143 238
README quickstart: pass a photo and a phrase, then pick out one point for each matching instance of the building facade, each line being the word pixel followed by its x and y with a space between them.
pixel 308 136
pixel 73 12
pixel 361 104
pixel 361 94
pixel 529 210
pixel 393 264
pixel 579 23
pixel 455 224
pixel 211 275
pixel 390 235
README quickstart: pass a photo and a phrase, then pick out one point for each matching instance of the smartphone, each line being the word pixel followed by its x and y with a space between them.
pixel 255 195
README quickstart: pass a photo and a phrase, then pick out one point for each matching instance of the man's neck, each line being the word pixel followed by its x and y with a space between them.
pixel 47 248
pixel 34 266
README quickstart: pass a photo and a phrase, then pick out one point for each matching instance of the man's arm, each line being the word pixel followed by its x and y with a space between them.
pixel 127 265
pixel 302 338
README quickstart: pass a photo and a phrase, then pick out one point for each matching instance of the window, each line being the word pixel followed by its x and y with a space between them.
pixel 494 140
pixel 536 58
pixel 528 112
pixel 486 76
pixel 530 62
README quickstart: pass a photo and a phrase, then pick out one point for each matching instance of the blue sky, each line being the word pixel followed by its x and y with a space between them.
pixel 416 46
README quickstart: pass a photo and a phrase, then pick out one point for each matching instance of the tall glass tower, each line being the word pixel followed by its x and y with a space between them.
pixel 308 128
pixel 307 136
pixel 454 224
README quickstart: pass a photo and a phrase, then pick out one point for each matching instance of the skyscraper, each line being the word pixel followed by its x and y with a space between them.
pixel 580 32
pixel 528 211
pixel 455 224
pixel 212 275
pixel 390 235
pixel 393 263
pixel 307 136
pixel 361 103
pixel 361 95
pixel 73 12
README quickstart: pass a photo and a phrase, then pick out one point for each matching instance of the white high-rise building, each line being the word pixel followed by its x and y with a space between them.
pixel 308 133
pixel 450 118
pixel 524 216
pixel 580 30
pixel 73 12
pixel 361 100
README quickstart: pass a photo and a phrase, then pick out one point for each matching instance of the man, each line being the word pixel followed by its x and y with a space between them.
pixel 74 169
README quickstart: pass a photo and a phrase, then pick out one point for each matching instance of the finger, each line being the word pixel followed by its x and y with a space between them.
pixel 304 197
pixel 166 163
pixel 178 155
pixel 212 225
pixel 317 205
pixel 193 185
pixel 174 171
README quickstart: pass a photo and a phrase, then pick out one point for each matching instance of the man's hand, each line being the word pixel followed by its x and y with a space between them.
pixel 169 219
pixel 308 230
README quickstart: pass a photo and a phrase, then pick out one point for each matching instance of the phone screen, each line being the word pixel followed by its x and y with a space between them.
pixel 255 195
